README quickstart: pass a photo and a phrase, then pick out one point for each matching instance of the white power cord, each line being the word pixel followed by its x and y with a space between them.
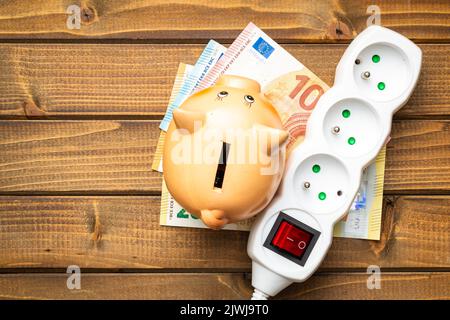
pixel 258 295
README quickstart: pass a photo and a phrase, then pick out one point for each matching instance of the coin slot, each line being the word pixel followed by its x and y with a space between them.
pixel 221 167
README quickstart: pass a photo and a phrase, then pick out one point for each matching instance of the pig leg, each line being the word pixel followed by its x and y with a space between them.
pixel 214 219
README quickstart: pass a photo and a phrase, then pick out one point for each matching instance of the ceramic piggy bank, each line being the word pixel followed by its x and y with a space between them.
pixel 224 152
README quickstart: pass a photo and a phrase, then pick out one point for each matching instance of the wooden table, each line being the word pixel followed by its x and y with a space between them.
pixel 79 115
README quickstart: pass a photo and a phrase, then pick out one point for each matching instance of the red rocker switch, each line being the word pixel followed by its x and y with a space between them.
pixel 291 239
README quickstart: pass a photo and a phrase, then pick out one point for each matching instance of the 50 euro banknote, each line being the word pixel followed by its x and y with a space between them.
pixel 182 72
pixel 208 58
pixel 187 79
pixel 294 91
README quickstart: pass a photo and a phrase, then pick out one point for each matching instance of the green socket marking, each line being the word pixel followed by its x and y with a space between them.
pixel 381 86
pixel 376 58
pixel 351 141
pixel 322 196
pixel 316 168
pixel 346 113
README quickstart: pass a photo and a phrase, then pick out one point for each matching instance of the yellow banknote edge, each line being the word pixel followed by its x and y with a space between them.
pixel 164 209
pixel 157 159
pixel 182 72
pixel 375 212
pixel 366 223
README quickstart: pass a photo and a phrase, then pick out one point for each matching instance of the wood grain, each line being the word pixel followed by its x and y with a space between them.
pixel 82 157
pixel 76 185
pixel 91 80
pixel 324 286
pixel 124 233
pixel 413 147
pixel 78 156
pixel 286 21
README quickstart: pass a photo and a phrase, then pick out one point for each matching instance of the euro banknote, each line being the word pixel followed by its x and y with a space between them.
pixel 208 58
pixel 363 220
pixel 183 87
pixel 294 91
pixel 172 214
pixel 182 72
pixel 291 87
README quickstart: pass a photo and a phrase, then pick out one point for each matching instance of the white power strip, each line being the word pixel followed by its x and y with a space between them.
pixel 345 132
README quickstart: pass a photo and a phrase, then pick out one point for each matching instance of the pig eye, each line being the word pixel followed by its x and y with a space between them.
pixel 249 99
pixel 222 94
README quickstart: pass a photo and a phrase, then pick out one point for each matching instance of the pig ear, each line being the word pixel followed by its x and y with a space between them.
pixel 189 120
pixel 274 138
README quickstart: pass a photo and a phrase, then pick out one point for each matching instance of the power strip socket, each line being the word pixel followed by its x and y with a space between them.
pixel 345 132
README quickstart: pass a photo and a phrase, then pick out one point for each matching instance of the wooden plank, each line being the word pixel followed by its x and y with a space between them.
pixel 115 157
pixel 78 156
pixel 109 232
pixel 92 80
pixel 418 157
pixel 124 233
pixel 421 285
pixel 288 21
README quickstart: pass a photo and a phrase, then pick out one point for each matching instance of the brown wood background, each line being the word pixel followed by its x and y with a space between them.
pixel 79 115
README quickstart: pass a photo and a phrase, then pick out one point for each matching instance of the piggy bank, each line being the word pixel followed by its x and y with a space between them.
pixel 224 153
